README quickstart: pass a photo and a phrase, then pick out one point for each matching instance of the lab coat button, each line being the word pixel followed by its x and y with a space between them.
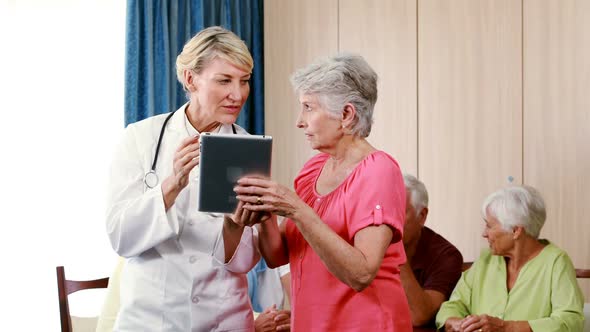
pixel 195 299
pixel 192 259
pixel 190 223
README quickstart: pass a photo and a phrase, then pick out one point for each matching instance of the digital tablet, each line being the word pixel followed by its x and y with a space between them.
pixel 224 159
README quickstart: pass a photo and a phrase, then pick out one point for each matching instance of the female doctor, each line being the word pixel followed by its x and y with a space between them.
pixel 186 270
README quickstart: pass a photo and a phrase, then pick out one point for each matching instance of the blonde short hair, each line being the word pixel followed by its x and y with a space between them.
pixel 209 44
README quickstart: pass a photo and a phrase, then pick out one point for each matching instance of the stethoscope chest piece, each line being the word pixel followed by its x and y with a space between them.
pixel 151 179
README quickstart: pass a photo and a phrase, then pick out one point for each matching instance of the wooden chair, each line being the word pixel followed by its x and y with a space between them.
pixel 585 274
pixel 66 287
pixel 582 274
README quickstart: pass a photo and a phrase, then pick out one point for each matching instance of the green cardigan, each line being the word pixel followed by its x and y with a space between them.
pixel 546 293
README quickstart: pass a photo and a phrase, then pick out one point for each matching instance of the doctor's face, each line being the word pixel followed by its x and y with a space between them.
pixel 220 91
pixel 322 129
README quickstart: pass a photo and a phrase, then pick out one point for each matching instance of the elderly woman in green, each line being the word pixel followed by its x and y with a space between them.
pixel 521 283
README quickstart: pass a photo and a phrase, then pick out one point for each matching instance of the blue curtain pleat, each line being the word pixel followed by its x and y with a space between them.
pixel 157 31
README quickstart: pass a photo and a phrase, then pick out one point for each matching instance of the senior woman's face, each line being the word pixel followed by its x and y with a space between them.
pixel 322 129
pixel 500 240
pixel 221 89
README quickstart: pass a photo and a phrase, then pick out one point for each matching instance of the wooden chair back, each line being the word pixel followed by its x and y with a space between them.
pixel 66 287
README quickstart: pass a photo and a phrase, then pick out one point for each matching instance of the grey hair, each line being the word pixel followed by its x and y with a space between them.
pixel 337 81
pixel 418 193
pixel 517 206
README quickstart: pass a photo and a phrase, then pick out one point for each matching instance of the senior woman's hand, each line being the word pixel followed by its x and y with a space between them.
pixel 260 194
pixel 265 322
pixel 482 323
pixel 453 324
pixel 283 320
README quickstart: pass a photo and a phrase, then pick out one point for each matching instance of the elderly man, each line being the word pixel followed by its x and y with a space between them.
pixel 434 264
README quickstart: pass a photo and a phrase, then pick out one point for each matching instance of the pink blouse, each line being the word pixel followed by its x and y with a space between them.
pixel 373 194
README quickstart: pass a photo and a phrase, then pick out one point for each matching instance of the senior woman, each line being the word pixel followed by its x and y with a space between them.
pixel 186 270
pixel 345 220
pixel 521 283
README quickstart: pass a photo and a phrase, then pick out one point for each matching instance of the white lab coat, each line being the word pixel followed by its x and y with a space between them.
pixel 175 278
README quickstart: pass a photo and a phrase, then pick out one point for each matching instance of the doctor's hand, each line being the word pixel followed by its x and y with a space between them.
pixel 185 159
pixel 233 228
pixel 243 217
pixel 260 194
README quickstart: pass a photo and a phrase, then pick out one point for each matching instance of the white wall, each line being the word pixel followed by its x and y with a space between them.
pixel 61 113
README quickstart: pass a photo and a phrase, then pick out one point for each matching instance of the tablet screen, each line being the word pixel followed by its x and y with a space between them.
pixel 224 159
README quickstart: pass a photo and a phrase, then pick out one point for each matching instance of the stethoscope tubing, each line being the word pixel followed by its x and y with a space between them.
pixel 150 178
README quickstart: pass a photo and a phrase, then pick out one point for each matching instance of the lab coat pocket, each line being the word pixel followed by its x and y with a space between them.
pixel 240 318
pixel 142 292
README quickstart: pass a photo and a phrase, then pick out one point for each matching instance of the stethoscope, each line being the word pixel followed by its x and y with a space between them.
pixel 150 178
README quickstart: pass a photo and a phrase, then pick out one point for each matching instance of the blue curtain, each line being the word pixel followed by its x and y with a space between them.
pixel 157 31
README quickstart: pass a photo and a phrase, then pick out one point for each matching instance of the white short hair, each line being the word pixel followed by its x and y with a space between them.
pixel 517 206
pixel 337 81
pixel 418 193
